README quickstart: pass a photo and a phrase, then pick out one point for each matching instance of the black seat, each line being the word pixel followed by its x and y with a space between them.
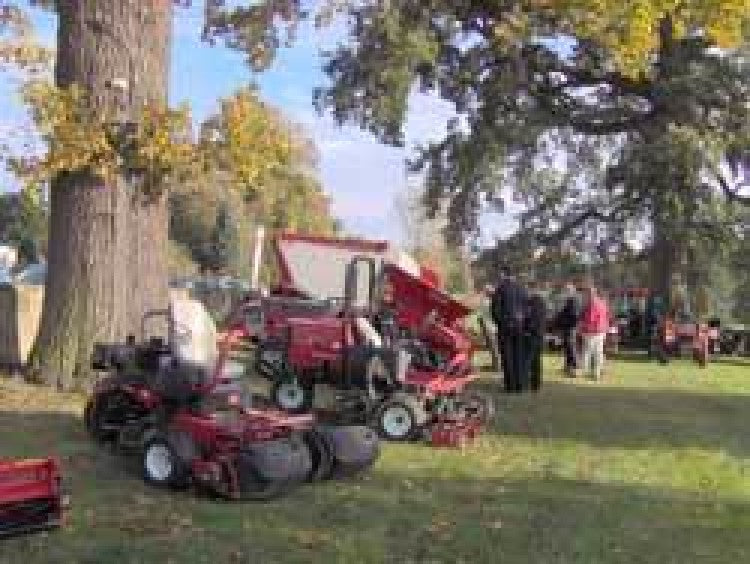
pixel 176 381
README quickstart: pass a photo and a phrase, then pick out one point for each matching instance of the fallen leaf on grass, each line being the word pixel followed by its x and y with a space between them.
pixel 441 528
pixel 312 538
pixel 142 499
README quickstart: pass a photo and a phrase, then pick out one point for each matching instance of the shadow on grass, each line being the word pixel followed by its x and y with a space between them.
pixel 395 516
pixel 743 362
pixel 628 417
pixel 639 357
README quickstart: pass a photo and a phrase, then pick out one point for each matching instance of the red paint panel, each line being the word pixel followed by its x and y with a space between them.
pixel 24 480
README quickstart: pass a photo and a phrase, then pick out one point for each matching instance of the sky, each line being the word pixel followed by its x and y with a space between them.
pixel 362 176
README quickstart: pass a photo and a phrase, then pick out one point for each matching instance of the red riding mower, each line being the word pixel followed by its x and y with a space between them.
pixel 192 423
pixel 392 349
pixel 31 497
pixel 696 339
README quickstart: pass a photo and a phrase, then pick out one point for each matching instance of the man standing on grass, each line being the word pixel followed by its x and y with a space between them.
pixel 536 327
pixel 567 322
pixel 509 313
pixel 593 328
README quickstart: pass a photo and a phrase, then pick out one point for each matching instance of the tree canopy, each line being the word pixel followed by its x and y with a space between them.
pixel 256 168
pixel 590 111
pixel 632 115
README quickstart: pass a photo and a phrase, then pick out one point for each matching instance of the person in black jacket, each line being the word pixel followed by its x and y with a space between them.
pixel 567 321
pixel 509 314
pixel 536 326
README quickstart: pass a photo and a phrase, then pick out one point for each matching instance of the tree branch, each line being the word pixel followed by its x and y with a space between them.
pixel 598 126
pixel 732 193
pixel 620 84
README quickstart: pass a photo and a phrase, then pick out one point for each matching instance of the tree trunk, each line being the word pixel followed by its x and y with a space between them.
pixel 666 260
pixel 107 243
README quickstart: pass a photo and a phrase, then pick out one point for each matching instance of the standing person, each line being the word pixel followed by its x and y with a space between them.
pixel 495 307
pixel 482 324
pixel 536 327
pixel 593 327
pixel 567 322
pixel 509 313
pixel 655 310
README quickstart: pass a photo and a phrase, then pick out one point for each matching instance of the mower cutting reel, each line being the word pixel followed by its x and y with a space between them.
pixel 191 424
pixel 31 497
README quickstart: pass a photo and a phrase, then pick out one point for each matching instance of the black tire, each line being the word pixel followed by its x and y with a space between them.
pixel 281 398
pixel 87 420
pixel 344 465
pixel 98 410
pixel 165 462
pixel 254 487
pixel 400 418
pixel 321 455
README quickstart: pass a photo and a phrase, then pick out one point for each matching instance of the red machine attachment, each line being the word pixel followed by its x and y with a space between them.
pixel 454 432
pixel 31 498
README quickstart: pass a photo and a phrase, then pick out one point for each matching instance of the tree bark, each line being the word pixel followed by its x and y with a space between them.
pixel 666 259
pixel 107 243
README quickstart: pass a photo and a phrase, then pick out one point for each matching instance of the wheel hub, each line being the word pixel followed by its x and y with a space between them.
pixel 159 462
pixel 290 396
pixel 397 421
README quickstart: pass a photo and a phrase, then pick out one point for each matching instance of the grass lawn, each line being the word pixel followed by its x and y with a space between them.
pixel 651 466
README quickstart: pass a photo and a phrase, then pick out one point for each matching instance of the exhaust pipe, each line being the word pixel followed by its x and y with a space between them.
pixel 257 257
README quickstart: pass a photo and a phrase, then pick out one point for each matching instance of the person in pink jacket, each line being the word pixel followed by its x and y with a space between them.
pixel 593 326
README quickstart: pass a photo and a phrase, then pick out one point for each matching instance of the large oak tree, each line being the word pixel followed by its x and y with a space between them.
pixel 107 261
pixel 637 106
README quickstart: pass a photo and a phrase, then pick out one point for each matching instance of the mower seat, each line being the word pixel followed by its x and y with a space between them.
pixel 177 380
pixel 196 336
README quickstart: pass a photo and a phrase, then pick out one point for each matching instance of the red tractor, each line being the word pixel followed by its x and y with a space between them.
pixel 350 316
pixel 192 423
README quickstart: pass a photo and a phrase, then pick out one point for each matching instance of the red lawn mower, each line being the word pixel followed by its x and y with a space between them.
pixel 192 423
pixel 31 496
pixel 348 314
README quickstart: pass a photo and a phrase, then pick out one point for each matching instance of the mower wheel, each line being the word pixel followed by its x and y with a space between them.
pixel 164 460
pixel 96 414
pixel 270 469
pixel 254 487
pixel 292 396
pixel 479 405
pixel 321 454
pixel 87 419
pixel 400 418
pixel 355 449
